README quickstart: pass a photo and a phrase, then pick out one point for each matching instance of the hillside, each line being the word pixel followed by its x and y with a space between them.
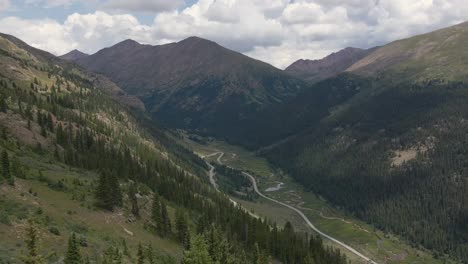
pixel 439 55
pixel 330 66
pixel 386 141
pixel 194 84
pixel 78 166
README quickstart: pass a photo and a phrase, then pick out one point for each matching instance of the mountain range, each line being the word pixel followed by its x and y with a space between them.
pixel 373 131
pixel 194 84
pixel 380 133
pixel 87 177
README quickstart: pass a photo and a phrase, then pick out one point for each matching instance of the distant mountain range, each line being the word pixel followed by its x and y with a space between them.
pixel 379 132
pixel 194 84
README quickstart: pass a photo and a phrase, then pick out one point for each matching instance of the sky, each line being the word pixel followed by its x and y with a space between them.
pixel 276 31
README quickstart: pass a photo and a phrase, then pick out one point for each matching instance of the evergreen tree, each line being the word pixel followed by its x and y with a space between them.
pixel 198 252
pixel 112 256
pixel 108 193
pixel 133 199
pixel 156 210
pixel 114 186
pixel 259 256
pixel 32 240
pixel 3 105
pixel 140 255
pixel 126 252
pixel 164 226
pixel 6 168
pixel 183 234
pixel 73 253
pixel 150 254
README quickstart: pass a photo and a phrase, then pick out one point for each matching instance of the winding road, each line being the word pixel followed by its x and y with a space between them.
pixel 300 213
pixel 211 175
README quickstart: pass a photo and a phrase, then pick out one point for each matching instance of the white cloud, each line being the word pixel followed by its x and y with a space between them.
pixel 276 31
pixel 4 5
pixel 143 5
pixel 51 3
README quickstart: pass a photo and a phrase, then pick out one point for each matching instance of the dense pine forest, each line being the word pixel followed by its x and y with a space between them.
pixel 394 156
pixel 65 137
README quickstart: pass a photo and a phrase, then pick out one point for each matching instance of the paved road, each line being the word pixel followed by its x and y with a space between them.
pixel 301 214
pixel 211 175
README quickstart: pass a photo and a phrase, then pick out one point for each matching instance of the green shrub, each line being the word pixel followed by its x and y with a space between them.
pixel 54 230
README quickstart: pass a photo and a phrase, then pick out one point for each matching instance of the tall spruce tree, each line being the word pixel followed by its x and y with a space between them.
pixel 198 252
pixel 140 255
pixel 73 253
pixel 164 226
pixel 156 211
pixel 183 234
pixel 108 193
pixel 6 168
pixel 150 254
pixel 132 191
pixel 32 246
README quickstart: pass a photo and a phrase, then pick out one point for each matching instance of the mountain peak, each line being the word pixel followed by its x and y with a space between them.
pixel 194 40
pixel 127 44
pixel 73 55
pixel 329 66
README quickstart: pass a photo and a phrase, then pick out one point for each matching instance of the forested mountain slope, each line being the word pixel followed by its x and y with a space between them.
pixel 194 84
pixel 78 166
pixel 392 151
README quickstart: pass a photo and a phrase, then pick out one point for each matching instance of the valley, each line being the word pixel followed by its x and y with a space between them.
pixel 182 150
pixel 377 245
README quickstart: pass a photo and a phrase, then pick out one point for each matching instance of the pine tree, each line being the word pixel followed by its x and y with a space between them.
pixel 259 256
pixel 102 193
pixel 140 255
pixel 164 226
pixel 183 234
pixel 156 210
pixel 33 256
pixel 73 253
pixel 114 187
pixel 6 168
pixel 126 252
pixel 133 199
pixel 3 105
pixel 198 253
pixel 150 254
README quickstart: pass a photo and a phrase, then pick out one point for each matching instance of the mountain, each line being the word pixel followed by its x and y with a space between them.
pixel 385 140
pixel 330 66
pixel 441 54
pixel 98 80
pixel 85 178
pixel 73 55
pixel 194 84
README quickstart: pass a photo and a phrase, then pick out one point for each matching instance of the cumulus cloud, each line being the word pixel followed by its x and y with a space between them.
pixel 51 3
pixel 143 5
pixel 276 31
pixel 4 5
